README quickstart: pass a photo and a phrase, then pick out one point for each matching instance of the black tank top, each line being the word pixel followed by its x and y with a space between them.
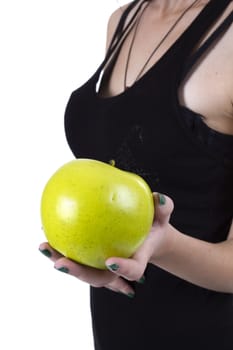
pixel 146 131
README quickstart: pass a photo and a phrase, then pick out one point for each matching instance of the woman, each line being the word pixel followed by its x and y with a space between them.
pixel 164 110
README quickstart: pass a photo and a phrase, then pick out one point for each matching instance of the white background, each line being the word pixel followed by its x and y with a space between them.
pixel 47 49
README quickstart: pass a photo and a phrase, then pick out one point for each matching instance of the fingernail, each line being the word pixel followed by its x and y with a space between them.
pixel 131 295
pixel 142 280
pixel 62 269
pixel 162 199
pixel 46 252
pixel 113 267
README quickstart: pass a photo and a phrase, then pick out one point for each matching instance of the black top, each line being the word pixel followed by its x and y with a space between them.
pixel 146 131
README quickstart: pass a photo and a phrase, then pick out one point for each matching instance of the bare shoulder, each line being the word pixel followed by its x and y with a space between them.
pixel 229 49
pixel 115 18
pixel 113 22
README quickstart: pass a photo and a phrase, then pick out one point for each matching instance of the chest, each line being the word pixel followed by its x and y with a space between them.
pixel 207 88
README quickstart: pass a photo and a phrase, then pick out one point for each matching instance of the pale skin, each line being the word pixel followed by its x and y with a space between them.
pixel 208 265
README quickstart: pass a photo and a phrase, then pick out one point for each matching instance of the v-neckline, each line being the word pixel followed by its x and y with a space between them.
pixel 98 76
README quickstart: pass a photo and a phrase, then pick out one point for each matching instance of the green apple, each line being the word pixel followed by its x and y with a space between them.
pixel 91 211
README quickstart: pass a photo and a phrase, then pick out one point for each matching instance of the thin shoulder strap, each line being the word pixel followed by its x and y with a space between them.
pixel 121 30
pixel 222 28
pixel 121 22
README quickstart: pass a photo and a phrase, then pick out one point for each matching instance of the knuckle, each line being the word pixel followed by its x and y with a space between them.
pixel 136 277
pixel 62 261
pixel 97 285
pixel 138 274
pixel 134 274
pixel 103 282
pixel 115 285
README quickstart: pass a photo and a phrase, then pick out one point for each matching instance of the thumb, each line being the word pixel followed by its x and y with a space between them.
pixel 163 208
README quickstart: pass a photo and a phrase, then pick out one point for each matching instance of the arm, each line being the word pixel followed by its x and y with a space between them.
pixel 208 265
pixel 205 264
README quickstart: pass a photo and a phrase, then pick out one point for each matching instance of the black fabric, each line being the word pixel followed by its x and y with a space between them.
pixel 146 131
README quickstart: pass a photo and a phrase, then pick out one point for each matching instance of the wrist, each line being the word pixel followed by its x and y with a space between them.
pixel 165 245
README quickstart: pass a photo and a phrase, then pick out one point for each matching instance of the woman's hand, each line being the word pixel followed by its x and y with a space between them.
pixel 155 244
pixel 120 270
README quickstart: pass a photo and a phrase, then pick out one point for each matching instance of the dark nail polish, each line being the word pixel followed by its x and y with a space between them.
pixel 113 267
pixel 62 269
pixel 162 199
pixel 131 295
pixel 46 252
pixel 142 280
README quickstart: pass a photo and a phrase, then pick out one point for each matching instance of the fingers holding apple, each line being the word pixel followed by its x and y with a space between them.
pixel 92 211
pixel 164 207
pixel 94 277
pixel 132 269
pixel 46 249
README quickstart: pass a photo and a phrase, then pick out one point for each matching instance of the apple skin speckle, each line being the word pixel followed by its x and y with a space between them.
pixel 91 211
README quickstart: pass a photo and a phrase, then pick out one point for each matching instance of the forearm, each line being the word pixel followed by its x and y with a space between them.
pixel 208 265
